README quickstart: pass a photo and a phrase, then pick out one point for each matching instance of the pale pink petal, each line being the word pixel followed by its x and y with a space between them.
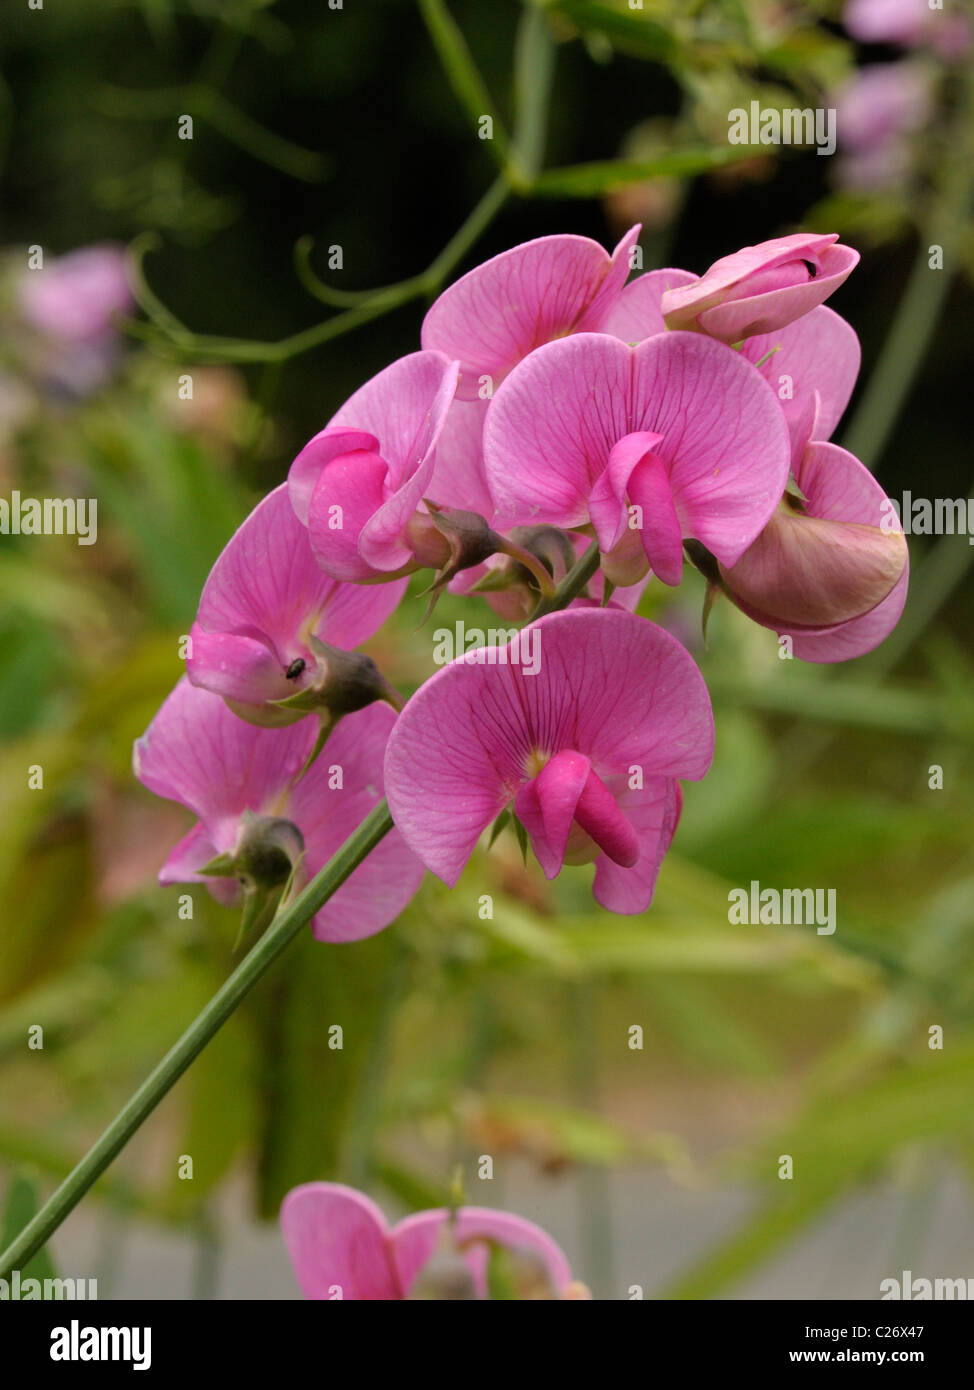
pixel 607 504
pixel 638 312
pixel 459 476
pixel 817 353
pixel 497 314
pixel 197 753
pixel 338 1242
pixel 194 852
pixel 552 425
pixel 859 635
pixel 338 791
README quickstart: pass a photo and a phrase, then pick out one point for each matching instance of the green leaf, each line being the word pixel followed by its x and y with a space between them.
pixel 604 176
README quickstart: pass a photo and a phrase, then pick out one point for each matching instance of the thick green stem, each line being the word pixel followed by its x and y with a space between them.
pixel 278 935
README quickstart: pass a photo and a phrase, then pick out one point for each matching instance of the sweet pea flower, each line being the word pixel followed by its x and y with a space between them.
pixel 259 821
pixel 267 615
pixel 584 744
pixel 761 288
pixel 342 1247
pixel 677 437
pixel 359 485
pixel 831 568
pixel 74 298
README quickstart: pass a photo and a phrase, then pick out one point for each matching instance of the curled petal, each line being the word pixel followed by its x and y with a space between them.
pixel 497 314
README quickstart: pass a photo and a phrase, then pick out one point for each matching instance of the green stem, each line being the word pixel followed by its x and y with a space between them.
pixel 128 1120
pixel 572 584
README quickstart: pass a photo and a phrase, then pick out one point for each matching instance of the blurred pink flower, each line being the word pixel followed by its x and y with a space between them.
pixel 830 570
pixel 678 437
pixel 912 23
pixel 342 1247
pixel 761 288
pixel 241 782
pixel 359 485
pixel 73 298
pixel 881 102
pixel 586 744
pixel 265 602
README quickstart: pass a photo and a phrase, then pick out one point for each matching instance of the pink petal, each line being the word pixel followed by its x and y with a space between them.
pixel 552 425
pixel 197 753
pixel 239 668
pixel 348 493
pixel 339 1243
pixel 654 812
pixel 649 489
pixel 193 853
pixel 638 312
pixel 859 635
pixel 384 883
pixel 405 407
pixel 546 807
pixel 497 314
pixel 327 444
pixel 416 1239
pixel 725 442
pixel 607 504
pixel 459 476
pixel 819 353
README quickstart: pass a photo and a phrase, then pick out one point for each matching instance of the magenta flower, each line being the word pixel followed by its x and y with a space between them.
pixel 831 569
pixel 264 608
pixel 678 437
pixel 359 485
pixel 342 1247
pixel 74 298
pixel 260 822
pixel 761 288
pixel 581 725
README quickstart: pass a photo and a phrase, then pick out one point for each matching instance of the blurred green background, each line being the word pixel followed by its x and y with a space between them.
pixel 657 1167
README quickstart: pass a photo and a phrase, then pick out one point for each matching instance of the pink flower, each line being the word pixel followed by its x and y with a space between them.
pixel 761 288
pixel 257 817
pixel 342 1247
pixel 911 23
pixel 266 605
pixel 74 298
pixel 881 102
pixel 830 570
pixel 582 725
pixel 676 438
pixel 359 485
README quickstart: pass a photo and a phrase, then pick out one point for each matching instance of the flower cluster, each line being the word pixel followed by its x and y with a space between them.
pixel 557 409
